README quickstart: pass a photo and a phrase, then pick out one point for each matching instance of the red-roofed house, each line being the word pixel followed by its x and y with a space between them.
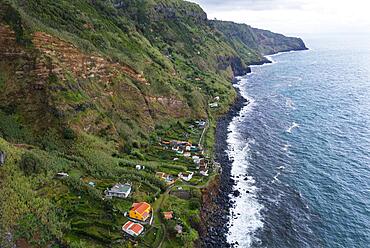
pixel 134 229
pixel 140 211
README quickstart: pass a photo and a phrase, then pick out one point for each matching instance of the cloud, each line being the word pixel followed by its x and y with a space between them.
pixel 294 16
pixel 257 5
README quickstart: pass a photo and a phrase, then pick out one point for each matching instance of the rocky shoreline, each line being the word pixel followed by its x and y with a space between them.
pixel 216 199
pixel 216 213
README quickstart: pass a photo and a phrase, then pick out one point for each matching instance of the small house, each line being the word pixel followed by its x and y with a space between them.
pixel 62 175
pixel 92 184
pixel 187 154
pixel 186 176
pixel 196 159
pixel 213 105
pixel 140 211
pixel 168 215
pixel 119 190
pixel 178 229
pixel 217 98
pixel 167 178
pixel 201 124
pixel 133 229
pixel 203 170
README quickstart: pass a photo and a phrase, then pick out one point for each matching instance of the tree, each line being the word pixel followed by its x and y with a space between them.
pixel 30 164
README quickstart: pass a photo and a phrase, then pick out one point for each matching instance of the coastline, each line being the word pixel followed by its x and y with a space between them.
pixel 216 213
pixel 217 202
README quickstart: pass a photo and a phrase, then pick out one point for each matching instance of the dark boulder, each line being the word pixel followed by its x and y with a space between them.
pixel 2 157
pixel 236 193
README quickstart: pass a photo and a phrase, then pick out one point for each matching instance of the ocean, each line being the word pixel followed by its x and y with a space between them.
pixel 300 149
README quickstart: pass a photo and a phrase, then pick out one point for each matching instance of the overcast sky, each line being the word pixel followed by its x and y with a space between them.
pixel 294 16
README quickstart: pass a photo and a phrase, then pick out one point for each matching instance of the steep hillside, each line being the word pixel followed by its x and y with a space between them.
pixel 246 40
pixel 90 87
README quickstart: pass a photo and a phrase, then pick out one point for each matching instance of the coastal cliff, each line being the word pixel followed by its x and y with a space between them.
pixel 91 88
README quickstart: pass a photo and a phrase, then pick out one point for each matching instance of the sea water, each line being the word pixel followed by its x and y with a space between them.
pixel 300 149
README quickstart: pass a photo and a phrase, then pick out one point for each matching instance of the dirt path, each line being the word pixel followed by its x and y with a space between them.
pixel 157 213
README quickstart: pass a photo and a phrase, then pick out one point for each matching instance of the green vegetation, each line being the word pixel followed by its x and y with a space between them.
pixel 91 88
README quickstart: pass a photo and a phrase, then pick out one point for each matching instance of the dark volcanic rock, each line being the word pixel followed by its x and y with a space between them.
pixel 236 193
pixel 215 235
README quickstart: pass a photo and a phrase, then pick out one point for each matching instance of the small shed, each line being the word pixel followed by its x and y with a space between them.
pixel 168 215
pixel 178 229
pixel 213 105
pixel 62 175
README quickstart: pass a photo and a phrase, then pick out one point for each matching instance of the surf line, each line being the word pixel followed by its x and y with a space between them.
pixel 294 125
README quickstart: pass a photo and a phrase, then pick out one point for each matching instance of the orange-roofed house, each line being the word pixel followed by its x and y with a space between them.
pixel 168 215
pixel 132 228
pixel 140 211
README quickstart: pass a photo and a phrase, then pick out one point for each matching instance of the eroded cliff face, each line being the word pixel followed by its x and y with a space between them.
pixel 138 64
pixel 51 82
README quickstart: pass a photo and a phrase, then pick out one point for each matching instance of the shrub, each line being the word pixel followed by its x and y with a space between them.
pixel 194 221
pixel 30 164
pixel 69 134
pixel 194 203
pixel 138 155
pixel 29 227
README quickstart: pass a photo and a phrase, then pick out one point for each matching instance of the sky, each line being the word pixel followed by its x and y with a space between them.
pixel 294 17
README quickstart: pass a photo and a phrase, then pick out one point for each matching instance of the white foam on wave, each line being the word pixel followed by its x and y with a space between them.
pixel 289 103
pixel 276 179
pixel 286 147
pixel 245 215
pixel 294 125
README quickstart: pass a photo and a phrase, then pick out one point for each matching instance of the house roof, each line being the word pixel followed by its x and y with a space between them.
pixel 141 208
pixel 137 228
pixel 121 188
pixel 168 215
pixel 132 227
pixel 187 174
pixel 178 228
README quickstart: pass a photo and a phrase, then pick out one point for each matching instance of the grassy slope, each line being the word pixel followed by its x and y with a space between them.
pixel 98 129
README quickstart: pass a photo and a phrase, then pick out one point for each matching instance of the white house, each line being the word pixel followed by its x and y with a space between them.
pixel 186 176
pixel 203 170
pixel 196 159
pixel 62 174
pixel 119 190
pixel 213 105
pixel 187 154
